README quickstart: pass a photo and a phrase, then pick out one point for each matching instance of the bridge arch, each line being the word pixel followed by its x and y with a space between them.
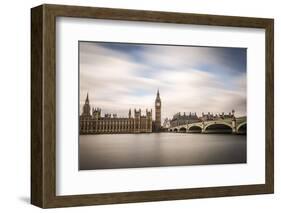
pixel 182 129
pixel 195 129
pixel 218 127
pixel 242 128
pixel 175 130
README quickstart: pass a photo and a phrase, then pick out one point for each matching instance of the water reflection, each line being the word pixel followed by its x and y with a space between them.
pixel 159 149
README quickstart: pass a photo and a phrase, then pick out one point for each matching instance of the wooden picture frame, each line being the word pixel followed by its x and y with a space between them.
pixel 43 105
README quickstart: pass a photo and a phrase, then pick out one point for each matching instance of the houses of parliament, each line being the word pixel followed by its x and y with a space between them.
pixel 91 120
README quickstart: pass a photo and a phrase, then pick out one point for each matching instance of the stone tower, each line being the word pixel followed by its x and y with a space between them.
pixel 137 123
pixel 157 112
pixel 86 107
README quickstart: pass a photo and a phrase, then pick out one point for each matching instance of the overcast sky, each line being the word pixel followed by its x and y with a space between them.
pixel 120 76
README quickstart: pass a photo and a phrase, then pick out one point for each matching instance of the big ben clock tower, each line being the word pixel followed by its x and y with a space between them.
pixel 158 112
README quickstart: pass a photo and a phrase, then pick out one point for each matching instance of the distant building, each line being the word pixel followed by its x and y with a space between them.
pixel 180 119
pixel 95 123
pixel 166 123
pixel 210 116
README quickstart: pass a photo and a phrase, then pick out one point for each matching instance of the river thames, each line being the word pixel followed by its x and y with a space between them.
pixel 159 149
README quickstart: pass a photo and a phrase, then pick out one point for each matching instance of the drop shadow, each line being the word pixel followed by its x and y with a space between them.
pixel 24 199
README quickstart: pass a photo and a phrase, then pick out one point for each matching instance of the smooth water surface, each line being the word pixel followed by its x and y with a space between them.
pixel 159 149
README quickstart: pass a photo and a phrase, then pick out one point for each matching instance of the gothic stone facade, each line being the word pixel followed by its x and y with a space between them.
pixel 94 123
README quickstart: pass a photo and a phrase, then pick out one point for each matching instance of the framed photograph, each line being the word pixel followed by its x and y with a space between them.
pixel 136 106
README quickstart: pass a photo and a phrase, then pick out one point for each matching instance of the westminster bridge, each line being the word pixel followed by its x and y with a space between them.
pixel 236 126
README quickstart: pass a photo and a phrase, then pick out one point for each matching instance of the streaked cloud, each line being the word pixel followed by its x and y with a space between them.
pixel 197 79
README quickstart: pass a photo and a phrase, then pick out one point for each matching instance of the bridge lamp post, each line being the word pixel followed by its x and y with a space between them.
pixel 233 122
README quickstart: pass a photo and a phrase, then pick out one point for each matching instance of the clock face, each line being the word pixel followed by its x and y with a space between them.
pixel 157 104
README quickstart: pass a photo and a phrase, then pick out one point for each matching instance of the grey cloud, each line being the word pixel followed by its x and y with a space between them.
pixel 112 78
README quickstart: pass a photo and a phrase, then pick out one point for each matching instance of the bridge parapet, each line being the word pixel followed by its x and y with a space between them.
pixel 237 125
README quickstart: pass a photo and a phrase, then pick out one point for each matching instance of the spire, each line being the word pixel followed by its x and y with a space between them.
pixel 129 113
pixel 87 98
pixel 158 96
pixel 86 107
